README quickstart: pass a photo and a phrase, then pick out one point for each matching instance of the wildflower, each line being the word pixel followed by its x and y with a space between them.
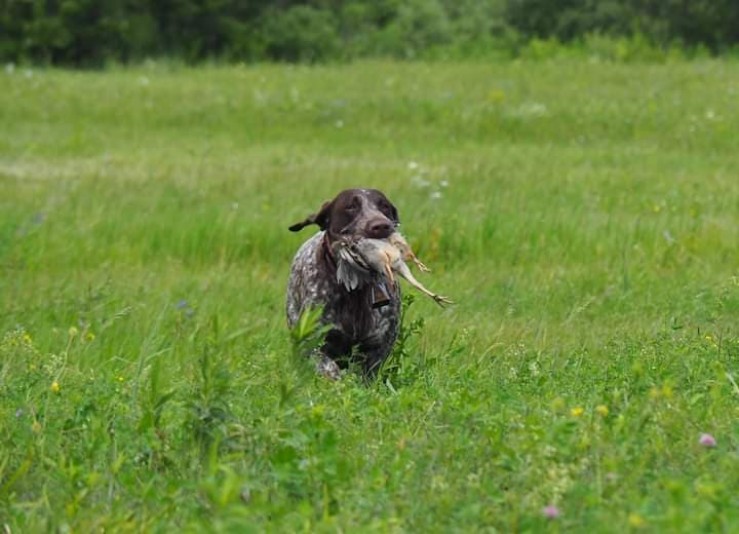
pixel 36 426
pixel 707 440
pixel 412 165
pixel 496 96
pixel 73 331
pixel 435 195
pixel 558 404
pixel 636 521
pixel 184 307
pixel 55 388
pixel 577 411
pixel 665 392
pixel 551 512
pixel 602 410
pixel 89 336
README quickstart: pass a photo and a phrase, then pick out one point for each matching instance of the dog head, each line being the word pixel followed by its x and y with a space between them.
pixel 355 214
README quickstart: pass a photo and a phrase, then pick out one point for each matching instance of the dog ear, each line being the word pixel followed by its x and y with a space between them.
pixel 396 218
pixel 321 219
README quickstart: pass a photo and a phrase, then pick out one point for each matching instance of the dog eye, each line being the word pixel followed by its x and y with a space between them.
pixel 353 206
pixel 386 209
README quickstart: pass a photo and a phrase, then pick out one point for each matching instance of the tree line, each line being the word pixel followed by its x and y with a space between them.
pixel 89 33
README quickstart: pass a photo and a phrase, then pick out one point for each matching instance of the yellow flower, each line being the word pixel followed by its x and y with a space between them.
pixel 55 388
pixel 89 336
pixel 661 392
pixel 73 331
pixel 636 521
pixel 577 411
pixel 558 404
pixel 602 410
pixel 496 96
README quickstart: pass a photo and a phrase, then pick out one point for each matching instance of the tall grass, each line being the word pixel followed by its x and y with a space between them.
pixel 583 215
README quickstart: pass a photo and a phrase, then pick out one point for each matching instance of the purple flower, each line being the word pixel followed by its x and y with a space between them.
pixel 707 440
pixel 550 512
pixel 184 307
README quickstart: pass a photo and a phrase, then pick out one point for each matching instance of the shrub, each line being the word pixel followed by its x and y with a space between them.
pixel 417 26
pixel 93 32
pixel 300 33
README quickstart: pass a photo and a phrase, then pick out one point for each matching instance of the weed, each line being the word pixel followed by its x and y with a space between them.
pixel 402 364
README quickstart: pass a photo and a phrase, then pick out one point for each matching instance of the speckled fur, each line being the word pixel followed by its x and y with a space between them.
pixel 360 334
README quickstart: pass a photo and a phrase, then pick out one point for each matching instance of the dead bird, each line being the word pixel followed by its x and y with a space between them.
pixel 384 256
pixel 396 239
pixel 353 269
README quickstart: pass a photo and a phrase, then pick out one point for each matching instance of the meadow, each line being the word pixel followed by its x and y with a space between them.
pixel 584 216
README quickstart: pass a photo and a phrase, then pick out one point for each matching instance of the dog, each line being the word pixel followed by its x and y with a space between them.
pixel 364 320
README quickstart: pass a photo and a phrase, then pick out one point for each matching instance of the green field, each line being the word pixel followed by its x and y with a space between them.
pixel 583 215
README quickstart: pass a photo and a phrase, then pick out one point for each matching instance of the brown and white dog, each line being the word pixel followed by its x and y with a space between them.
pixel 364 318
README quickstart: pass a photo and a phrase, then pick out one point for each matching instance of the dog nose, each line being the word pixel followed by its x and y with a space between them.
pixel 379 229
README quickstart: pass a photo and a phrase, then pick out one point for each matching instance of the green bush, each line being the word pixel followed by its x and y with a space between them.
pixel 418 25
pixel 300 33
pixel 95 32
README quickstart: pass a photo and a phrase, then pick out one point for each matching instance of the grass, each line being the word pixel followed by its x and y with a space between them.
pixel 583 215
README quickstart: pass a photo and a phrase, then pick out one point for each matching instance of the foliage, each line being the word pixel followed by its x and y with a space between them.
pixel 582 213
pixel 91 33
pixel 300 33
